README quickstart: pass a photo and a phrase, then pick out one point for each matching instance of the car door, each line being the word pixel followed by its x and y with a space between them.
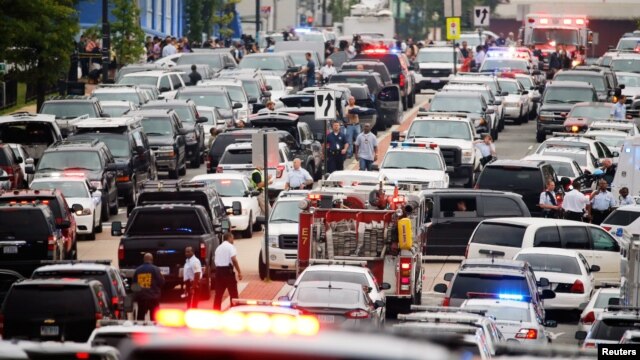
pixel 141 160
pixel 106 158
pixel 389 98
pixel 452 227
pixel 604 252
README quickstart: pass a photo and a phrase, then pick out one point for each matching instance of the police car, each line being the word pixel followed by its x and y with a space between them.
pixel 516 101
pixel 598 149
pixel 416 163
pixel 77 190
pixel 435 65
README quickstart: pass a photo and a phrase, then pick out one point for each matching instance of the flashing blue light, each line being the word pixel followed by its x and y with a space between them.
pixel 396 144
pixel 619 232
pixel 302 30
pixel 511 297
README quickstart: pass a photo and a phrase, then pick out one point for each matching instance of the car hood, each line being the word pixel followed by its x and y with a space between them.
pixel 228 201
pixel 463 144
pixel 161 141
pixel 556 107
pixel 631 91
pixel 512 98
pixel 436 65
pixel 416 175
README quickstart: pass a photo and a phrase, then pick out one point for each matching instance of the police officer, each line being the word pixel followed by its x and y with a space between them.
pixel 548 202
pixel 601 203
pixel 147 283
pixel 337 147
pixel 298 178
pixel 619 111
pixel 225 261
pixel 257 180
pixel 575 204
pixel 191 275
pixel 625 198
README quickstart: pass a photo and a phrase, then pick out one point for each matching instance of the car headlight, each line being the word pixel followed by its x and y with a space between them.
pixel 84 212
pixel 273 241
pixel 97 184
pixel 436 184
pixel 166 151
pixel 467 156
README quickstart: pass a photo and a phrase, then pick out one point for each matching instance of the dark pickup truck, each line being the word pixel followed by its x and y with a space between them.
pixel 165 230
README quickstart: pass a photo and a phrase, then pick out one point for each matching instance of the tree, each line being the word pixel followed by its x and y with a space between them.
pixel 194 19
pixel 38 38
pixel 126 32
pixel 218 13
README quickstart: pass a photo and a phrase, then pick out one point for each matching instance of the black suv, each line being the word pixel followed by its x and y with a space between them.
pixel 69 109
pixel 92 158
pixel 603 80
pixel 310 150
pixel 129 146
pixel 100 270
pixel 369 64
pixel 400 69
pixel 166 138
pixel 72 308
pixel 556 103
pixel 28 234
pixel 450 228
pixel 192 122
pixel 524 177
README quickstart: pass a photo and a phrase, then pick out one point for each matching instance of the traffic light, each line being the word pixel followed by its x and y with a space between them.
pixel 310 20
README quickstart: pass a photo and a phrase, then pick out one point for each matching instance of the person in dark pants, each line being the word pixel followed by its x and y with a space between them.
pixel 194 75
pixel 337 147
pixel 225 261
pixel 191 275
pixel 575 204
pixel 147 282
pixel 602 201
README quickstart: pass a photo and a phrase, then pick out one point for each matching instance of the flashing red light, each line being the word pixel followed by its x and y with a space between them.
pixel 310 20
pixel 567 21
pixel 314 196
pixel 279 171
pixel 114 300
pixel 357 314
pixel 401 80
pixel 376 51
pixel 531 20
pixel 607 228
pixel 446 301
pixel 82 355
pixel 51 244
pixel 203 251
pixel 580 21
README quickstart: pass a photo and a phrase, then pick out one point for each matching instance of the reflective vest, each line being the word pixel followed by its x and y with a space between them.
pixel 253 183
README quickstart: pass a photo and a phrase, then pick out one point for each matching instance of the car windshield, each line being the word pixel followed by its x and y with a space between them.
pixel 455 103
pixel 61 160
pixel 612 140
pixel 622 217
pixel 138 80
pixel 627 44
pixel 628 80
pixel 68 109
pixel 510 177
pixel 562 168
pixel 236 93
pixel 165 222
pixel 285 211
pixel 592 112
pixel 333 296
pixel 214 61
pixel 299 59
pixel 525 82
pixel 263 63
pixel 251 88
pixel 510 86
pixel 440 129
pixel 229 188
pixel 613 329
pixel 412 160
pixel 341 276
pixel 275 83
pixel 157 127
pixel 219 100
pixel 70 189
pixel 64 302
pixel 435 56
pixel 503 64
pixel 504 313
pixel 552 263
pixel 115 110
pixel 596 81
pixel 464 284
pixel 236 156
pixel 555 36
pixel 603 299
pixel 120 96
pixel 568 95
pixel 626 65
pixel 117 144
pixel 28 225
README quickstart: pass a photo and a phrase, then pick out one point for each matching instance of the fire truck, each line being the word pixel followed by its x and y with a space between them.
pixel 385 234
pixel 546 31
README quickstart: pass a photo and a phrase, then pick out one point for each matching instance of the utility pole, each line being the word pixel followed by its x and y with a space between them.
pixel 275 16
pixel 106 41
pixel 257 21
pixel 324 13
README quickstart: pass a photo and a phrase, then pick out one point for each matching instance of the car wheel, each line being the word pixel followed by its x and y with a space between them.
pixel 312 172
pixel 257 227
pixel 131 197
pixel 91 236
pixel 104 214
pixel 248 233
pixel 525 117
pixel 405 102
pixel 540 136
pixel 183 169
pixel 98 228
pixel 113 210
pixel 262 267
pixel 175 174
pixel 501 124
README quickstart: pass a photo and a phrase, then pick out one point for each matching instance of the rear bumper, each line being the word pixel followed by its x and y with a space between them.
pixel 434 83
pixel 124 188
pixel 566 301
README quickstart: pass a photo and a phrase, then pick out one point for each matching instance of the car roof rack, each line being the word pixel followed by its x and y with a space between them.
pixel 64 262
pixel 576 135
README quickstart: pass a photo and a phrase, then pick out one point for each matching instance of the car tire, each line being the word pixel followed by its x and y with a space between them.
pixel 113 210
pixel 175 174
pixel 540 136
pixel 91 236
pixel 257 227
pixel 262 267
pixel 104 214
pixel 501 124
pixel 248 232
pixel 131 197
pixel 98 229
pixel 411 100
pixel 494 134
pixel 310 169
pixel 183 169
pixel 405 102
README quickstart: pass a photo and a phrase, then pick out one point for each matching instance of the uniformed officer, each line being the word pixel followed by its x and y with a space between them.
pixel 147 284
pixel 548 202
pixel 257 180
pixel 619 111
pixel 298 177
pixel 625 198
pixel 601 203
pixel 191 275
pixel 337 147
pixel 225 261
pixel 575 204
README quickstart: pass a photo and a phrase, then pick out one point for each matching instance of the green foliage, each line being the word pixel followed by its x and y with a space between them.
pixel 340 8
pixel 126 32
pixel 218 13
pixel 194 19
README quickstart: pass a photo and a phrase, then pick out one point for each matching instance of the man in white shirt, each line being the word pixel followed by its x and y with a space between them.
pixel 225 261
pixel 191 275
pixel 575 204
pixel 602 202
pixel 548 202
pixel 625 198
pixel 327 70
pixel 169 49
pixel 298 178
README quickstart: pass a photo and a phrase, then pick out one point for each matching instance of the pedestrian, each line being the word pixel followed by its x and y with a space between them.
pixel 480 55
pixel 225 261
pixel 157 48
pixel 337 147
pixel 169 49
pixel 602 202
pixel 353 124
pixel 214 133
pixel 237 52
pixel 366 148
pixel 501 41
pixel 148 281
pixel 609 170
pixel 466 62
pixel 464 50
pixel 619 110
pixel 258 183
pixel 548 202
pixel 191 275
pixel 194 75
pixel 309 70
pixel 240 124
pixel 625 198
pixel 487 149
pixel 511 41
pixel 298 177
pixel 575 204
pixel 327 70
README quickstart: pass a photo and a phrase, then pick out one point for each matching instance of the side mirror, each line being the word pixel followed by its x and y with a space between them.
pixel 20 159
pixel 64 224
pixel 543 282
pixel 252 100
pixel 504 93
pixel 112 167
pixel 385 286
pixel 116 228
pixel 448 276
pixel 450 169
pixel 615 154
pixel 551 323
pixel 440 288
pixel 236 208
pixel 580 335
pixel 594 268
pixel 525 92
pixel 237 105
pixel 489 111
pixel 225 225
pixel 77 208
pixel 29 166
pixel 202 119
pixel 497 102
pixel 621 86
pixel 378 304
pixel 261 220
pixel 548 294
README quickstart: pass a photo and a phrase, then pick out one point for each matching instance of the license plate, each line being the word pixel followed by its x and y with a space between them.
pixel 435 81
pixel 164 270
pixel 49 330
pixel 10 250
pixel 326 318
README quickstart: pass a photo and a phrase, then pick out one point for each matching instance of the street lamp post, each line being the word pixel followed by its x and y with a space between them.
pixel 435 17
pixel 106 40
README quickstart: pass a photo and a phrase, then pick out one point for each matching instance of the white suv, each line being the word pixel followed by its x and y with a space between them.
pixel 416 163
pixel 435 65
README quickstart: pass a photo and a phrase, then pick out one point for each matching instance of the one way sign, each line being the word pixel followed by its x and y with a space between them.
pixel 481 16
pixel 325 105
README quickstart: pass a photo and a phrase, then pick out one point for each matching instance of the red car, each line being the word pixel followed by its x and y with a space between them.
pixel 11 165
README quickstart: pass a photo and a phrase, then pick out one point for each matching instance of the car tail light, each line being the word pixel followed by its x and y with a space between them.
pixel 121 252
pixel 99 316
pixel 219 169
pixel 446 301
pixel 82 355
pixel 577 287
pixel 527 334
pixel 589 345
pixel 114 300
pixel 357 314
pixel 279 171
pixel 51 245
pixel 203 251
pixel 607 228
pixel 589 318
pixel 401 80
pixel 404 276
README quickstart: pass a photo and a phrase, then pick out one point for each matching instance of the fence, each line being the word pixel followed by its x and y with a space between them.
pixel 31 91
pixel 8 93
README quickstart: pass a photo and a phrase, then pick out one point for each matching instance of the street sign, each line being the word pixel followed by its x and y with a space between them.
pixel 325 104
pixel 452 8
pixel 258 149
pixel 481 16
pixel 453 28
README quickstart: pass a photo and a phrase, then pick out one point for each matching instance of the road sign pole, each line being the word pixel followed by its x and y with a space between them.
pixel 324 152
pixel 455 59
pixel 265 179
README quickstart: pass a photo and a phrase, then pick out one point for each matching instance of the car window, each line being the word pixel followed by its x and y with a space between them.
pixel 72 301
pixel 603 241
pixel 341 276
pixel 547 237
pixel 176 81
pixel 164 83
pixel 458 207
pixel 574 237
pixel 501 206
pixel 622 217
pixel 499 234
pixel 512 178
pixel 179 223
pixel 137 138
pixel 552 263
pixel 463 284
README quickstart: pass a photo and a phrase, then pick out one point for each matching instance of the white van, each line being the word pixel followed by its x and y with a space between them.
pixel 504 237
pixel 627 174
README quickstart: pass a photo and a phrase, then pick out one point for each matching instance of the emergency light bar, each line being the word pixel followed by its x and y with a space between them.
pixel 60 262
pixel 514 297
pixel 242 302
pixel 565 134
pixel 444 309
pixel 337 262
pixel 395 144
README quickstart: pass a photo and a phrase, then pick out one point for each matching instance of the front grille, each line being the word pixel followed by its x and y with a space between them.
pixel 291 256
pixel 436 72
pixel 452 155
pixel 288 242
pixel 154 148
